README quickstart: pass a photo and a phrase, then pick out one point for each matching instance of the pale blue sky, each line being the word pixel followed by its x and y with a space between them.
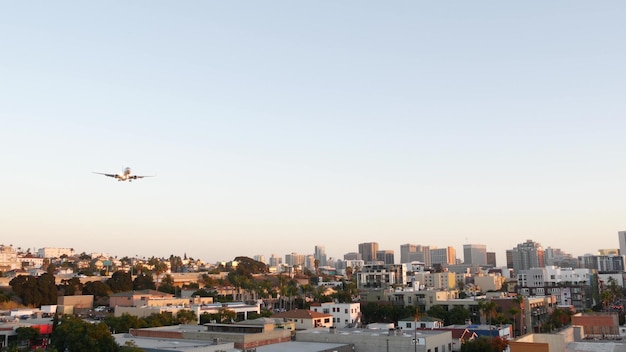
pixel 278 125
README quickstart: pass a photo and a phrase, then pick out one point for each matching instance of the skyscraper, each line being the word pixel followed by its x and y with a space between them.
pixel 622 242
pixel 368 251
pixel 320 255
pixel 386 256
pixel 443 256
pixel 415 253
pixel 475 254
pixel 527 255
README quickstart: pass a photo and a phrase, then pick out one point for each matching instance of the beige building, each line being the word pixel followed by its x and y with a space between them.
pixel 8 259
pixel 489 282
pixel 438 281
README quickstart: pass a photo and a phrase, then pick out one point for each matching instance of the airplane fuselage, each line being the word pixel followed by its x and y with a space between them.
pixel 126 175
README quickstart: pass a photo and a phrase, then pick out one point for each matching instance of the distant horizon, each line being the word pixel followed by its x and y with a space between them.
pixel 459 252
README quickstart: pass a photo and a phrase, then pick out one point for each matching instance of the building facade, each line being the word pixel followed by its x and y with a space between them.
pixel 368 251
pixel 475 254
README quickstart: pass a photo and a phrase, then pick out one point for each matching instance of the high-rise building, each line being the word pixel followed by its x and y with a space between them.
pixel 557 257
pixel 295 259
pixel 275 261
pixel 352 256
pixel 443 256
pixel 368 251
pixel 259 258
pixel 622 242
pixel 415 253
pixel 475 254
pixel 320 255
pixel 386 256
pixel 491 259
pixel 527 255
pixel 602 263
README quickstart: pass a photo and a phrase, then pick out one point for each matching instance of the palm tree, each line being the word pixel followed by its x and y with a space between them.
pixel 349 271
pixel 488 308
pixel 513 312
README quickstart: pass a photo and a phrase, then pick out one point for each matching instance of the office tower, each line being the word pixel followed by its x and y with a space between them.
pixel 275 261
pixel 295 259
pixel 386 256
pixel 309 262
pixel 352 256
pixel 443 256
pixel 320 255
pixel 491 259
pixel 475 254
pixel 527 255
pixel 368 251
pixel 509 259
pixel 415 253
pixel 602 263
pixel 556 257
pixel 622 242
pixel 406 251
pixel 259 258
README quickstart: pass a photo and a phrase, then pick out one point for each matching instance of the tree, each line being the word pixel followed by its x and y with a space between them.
pixel 488 308
pixel 120 282
pixel 97 289
pixel 144 281
pixel 73 334
pixel 124 323
pixel 71 286
pixel 26 334
pixel 437 311
pixel 24 287
pixel 185 316
pixel 349 272
pixel 167 284
pixel 458 315
pixel 47 289
pixel 484 344
pixel 35 291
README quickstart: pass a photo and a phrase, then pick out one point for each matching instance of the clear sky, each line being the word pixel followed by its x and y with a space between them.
pixel 274 126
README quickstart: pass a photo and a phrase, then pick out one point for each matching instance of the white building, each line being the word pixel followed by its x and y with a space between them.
pixel 51 252
pixel 344 314
pixel 382 275
pixel 552 276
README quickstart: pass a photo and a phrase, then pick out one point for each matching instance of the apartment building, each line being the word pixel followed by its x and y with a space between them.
pixel 381 275
pixel 344 314
pixel 571 287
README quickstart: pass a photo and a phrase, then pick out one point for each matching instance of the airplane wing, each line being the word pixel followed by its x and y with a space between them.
pixel 110 175
pixel 134 177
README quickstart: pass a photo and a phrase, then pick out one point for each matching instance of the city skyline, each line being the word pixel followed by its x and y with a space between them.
pixel 279 126
pixel 319 252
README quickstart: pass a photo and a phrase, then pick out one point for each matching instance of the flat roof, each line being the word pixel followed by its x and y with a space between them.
pixel 165 344
pixel 372 332
pixel 299 346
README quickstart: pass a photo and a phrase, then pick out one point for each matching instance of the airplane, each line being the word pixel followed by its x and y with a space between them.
pixel 126 175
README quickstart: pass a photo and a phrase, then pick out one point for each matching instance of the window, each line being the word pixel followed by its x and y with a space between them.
pixel 408 325
pixel 346 311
